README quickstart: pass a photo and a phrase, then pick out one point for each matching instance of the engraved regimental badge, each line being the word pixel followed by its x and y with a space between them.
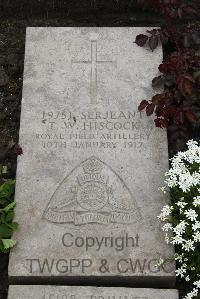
pixel 92 193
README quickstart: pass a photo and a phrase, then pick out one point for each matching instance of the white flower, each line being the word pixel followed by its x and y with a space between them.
pixel 191 214
pixel 180 228
pixel 192 294
pixel 179 175
pixel 181 204
pixel 177 240
pixel 165 212
pixel 179 257
pixel 166 227
pixel 197 284
pixel 188 245
pixel 196 225
pixel 196 201
pixel 197 236
pixel 187 278
pixel 193 153
pixel 180 272
pixel 186 180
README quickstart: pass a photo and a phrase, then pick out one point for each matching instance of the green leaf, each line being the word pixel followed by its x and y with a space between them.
pixel 7 226
pixel 5 231
pixel 8 243
pixel 9 217
pixel 2 218
pixel 13 225
pixel 9 207
pixel 7 189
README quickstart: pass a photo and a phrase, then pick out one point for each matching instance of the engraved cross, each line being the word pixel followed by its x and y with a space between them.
pixel 94 62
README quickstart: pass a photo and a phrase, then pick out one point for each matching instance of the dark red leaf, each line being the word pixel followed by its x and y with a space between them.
pixel 143 105
pixel 157 122
pixel 161 123
pixel 188 77
pixel 18 150
pixel 150 109
pixel 179 116
pixel 191 116
pixel 156 99
pixel 163 68
pixel 153 42
pixel 141 40
pixel 188 87
pixel 185 84
pixel 168 98
pixel 164 123
pixel 159 111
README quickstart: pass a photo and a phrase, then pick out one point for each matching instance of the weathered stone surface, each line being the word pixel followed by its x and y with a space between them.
pixel 60 292
pixel 87 184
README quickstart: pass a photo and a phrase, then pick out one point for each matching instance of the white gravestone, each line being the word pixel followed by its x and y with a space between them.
pixel 87 184
pixel 60 292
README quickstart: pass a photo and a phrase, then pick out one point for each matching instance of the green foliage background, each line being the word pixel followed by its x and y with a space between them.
pixel 7 205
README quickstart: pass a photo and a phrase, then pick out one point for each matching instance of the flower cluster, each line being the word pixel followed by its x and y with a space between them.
pixel 181 218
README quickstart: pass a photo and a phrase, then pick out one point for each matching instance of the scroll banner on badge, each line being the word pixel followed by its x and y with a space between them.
pixel 79 218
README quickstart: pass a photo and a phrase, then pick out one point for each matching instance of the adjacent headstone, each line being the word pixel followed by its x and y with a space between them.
pixel 87 182
pixel 60 292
